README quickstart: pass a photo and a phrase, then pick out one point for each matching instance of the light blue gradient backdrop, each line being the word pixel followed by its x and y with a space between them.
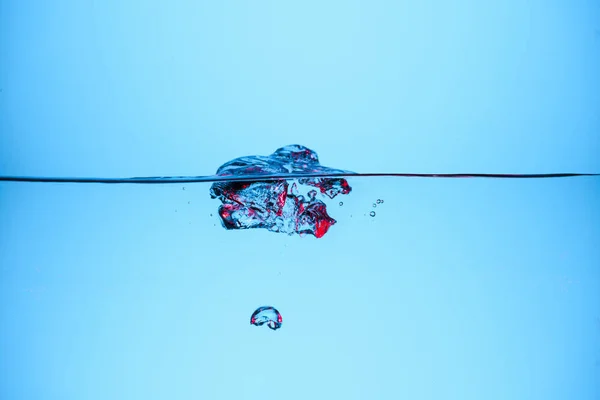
pixel 457 289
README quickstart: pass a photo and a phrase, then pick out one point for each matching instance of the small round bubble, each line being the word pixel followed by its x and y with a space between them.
pixel 372 213
pixel 379 201
pixel 341 203
pixel 374 205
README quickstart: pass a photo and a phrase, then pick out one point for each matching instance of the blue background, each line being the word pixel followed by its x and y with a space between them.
pixel 457 289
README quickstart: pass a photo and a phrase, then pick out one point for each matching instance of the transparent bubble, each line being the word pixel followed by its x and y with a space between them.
pixel 374 205
pixel 266 315
pixel 372 213
pixel 341 203
pixel 379 201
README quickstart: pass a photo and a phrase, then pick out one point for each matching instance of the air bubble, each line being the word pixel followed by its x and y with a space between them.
pixel 266 315
pixel 341 203
pixel 372 213
pixel 374 205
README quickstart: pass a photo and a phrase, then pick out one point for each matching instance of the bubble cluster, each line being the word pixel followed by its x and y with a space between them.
pixel 378 201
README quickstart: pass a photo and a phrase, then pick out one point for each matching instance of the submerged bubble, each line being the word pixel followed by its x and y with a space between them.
pixel 379 201
pixel 341 203
pixel 372 213
pixel 374 205
pixel 266 315
pixel 274 204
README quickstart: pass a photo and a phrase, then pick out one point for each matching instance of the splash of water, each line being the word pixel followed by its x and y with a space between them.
pixel 276 205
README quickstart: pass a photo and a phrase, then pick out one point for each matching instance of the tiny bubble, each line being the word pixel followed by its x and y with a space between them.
pixel 379 201
pixel 341 203
pixel 374 205
pixel 183 188
pixel 188 202
pixel 211 215
pixel 372 213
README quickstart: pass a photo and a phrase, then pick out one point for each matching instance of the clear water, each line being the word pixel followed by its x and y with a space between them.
pixel 448 289
pixel 455 289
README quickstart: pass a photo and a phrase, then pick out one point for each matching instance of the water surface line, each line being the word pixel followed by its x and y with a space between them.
pixel 268 177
